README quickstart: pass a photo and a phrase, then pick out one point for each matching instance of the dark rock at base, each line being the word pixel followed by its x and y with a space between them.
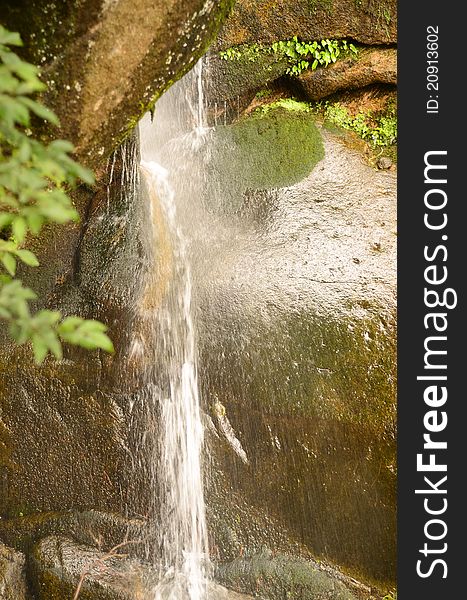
pixel 12 574
pixel 59 566
pixel 263 21
pixel 369 67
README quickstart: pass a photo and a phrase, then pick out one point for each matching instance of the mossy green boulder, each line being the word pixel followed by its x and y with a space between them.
pixel 267 150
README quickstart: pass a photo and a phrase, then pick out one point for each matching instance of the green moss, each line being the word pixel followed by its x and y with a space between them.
pixel 267 150
pixel 382 11
pixel 378 129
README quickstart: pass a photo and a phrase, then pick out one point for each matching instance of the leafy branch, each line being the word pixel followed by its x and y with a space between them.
pixel 34 179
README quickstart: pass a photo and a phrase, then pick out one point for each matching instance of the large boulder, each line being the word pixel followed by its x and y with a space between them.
pixel 107 62
pixel 263 21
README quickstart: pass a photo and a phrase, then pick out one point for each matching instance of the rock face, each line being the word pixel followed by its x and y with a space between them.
pixel 298 346
pixel 372 66
pixel 266 21
pixel 12 574
pixel 106 62
pixel 64 426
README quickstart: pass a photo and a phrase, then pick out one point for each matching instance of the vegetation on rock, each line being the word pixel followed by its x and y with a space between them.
pixel 378 129
pixel 300 55
pixel 34 179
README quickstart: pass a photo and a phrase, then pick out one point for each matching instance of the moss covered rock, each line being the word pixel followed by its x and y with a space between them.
pixel 59 566
pixel 264 150
pixel 277 577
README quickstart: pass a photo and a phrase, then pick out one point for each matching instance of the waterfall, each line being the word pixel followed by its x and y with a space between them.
pixel 183 541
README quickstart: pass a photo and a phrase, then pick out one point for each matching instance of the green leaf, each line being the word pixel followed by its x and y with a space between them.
pixel 40 110
pixel 86 175
pixel 5 220
pixel 19 228
pixel 28 257
pixel 39 348
pixel 9 262
pixel 12 111
pixel 35 221
pixel 9 38
pixel 8 83
pixel 89 334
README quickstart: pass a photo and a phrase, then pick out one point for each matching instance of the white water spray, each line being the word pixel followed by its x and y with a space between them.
pixel 184 546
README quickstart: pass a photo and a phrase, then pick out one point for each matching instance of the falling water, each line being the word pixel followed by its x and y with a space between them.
pixel 183 539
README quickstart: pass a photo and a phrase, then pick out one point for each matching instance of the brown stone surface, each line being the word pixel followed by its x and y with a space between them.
pixel 370 67
pixel 266 21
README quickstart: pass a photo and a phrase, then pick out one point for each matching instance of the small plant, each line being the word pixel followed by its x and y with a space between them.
pixel 306 55
pixel 300 55
pixel 391 596
pixel 34 179
pixel 378 130
pixel 263 94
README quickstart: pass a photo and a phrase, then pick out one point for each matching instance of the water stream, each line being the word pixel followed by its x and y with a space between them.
pixel 183 538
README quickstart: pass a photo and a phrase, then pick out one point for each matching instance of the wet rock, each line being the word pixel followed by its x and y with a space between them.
pixel 106 62
pixel 369 67
pixel 262 21
pixel 60 567
pixel 298 344
pixel 108 529
pixel 12 574
pixel 229 80
pixel 65 433
pixel 277 577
